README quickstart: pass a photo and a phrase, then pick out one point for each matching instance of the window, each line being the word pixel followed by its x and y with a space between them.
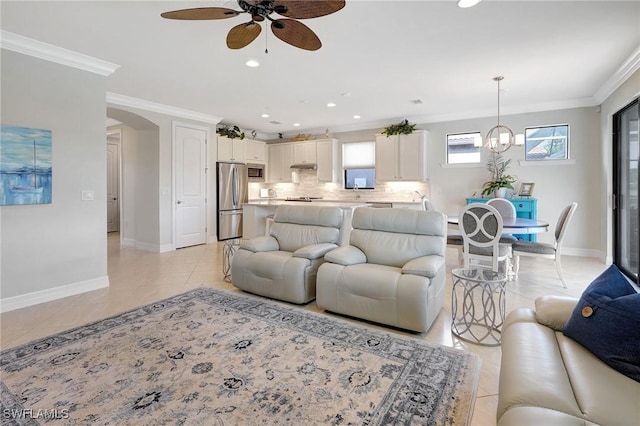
pixel 547 143
pixel 464 148
pixel 359 178
pixel 358 162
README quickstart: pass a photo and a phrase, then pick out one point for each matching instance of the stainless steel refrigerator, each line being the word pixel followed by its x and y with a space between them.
pixel 232 192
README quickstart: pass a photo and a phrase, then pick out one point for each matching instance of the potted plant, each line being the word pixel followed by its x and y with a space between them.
pixel 231 132
pixel 500 181
pixel 402 128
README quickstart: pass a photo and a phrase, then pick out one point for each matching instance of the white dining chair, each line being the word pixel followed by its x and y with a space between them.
pixel 506 210
pixel 545 250
pixel 481 228
pixel 427 205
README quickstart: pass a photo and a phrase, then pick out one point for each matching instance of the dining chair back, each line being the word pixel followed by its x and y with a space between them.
pixel 427 205
pixel 504 207
pixel 545 250
pixel 481 229
pixel 506 210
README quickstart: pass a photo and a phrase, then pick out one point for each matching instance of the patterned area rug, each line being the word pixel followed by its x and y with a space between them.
pixel 225 358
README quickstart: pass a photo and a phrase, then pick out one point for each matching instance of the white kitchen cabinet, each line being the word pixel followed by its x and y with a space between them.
pixel 280 160
pixel 255 151
pixel 402 157
pixel 304 152
pixel 327 159
pixel 231 149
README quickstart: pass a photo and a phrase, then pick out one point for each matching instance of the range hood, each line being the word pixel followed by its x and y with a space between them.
pixel 305 166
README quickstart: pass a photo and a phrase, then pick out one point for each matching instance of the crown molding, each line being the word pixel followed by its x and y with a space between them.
pixel 128 101
pixel 624 71
pixel 51 53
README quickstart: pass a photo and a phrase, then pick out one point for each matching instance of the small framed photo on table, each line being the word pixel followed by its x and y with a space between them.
pixel 526 189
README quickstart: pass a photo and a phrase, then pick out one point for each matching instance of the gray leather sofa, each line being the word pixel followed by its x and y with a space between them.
pixel 549 379
pixel 284 264
pixel 393 270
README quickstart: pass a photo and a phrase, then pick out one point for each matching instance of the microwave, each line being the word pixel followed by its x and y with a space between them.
pixel 256 172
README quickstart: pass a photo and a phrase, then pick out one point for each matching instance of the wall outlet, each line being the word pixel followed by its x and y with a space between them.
pixel 88 195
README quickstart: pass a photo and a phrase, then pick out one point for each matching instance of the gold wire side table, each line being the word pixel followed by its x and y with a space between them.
pixel 229 248
pixel 478 305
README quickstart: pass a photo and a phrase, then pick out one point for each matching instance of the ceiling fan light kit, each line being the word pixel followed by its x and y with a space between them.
pixel 287 29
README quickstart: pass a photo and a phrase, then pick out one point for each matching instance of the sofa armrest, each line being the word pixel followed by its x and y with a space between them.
pixel 554 311
pixel 346 255
pixel 314 251
pixel 257 244
pixel 426 266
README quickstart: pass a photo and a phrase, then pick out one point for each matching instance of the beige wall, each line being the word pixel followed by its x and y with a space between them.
pixel 57 248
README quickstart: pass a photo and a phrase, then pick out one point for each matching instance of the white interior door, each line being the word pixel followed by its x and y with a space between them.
pixel 190 186
pixel 113 186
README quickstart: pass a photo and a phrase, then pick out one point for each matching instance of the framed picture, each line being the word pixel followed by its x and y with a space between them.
pixel 25 166
pixel 526 189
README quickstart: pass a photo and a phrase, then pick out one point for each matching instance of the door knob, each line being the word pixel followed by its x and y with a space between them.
pixel 178 202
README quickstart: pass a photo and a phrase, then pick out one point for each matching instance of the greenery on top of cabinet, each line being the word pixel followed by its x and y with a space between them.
pixel 402 128
pixel 231 132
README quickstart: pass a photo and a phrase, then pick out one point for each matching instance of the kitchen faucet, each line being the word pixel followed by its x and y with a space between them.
pixel 355 191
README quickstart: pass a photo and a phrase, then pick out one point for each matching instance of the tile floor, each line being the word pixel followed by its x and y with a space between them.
pixel 138 277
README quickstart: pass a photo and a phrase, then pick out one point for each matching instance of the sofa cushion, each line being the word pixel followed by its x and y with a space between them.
pixel 554 311
pixel 606 321
pixel 392 237
pixel 298 226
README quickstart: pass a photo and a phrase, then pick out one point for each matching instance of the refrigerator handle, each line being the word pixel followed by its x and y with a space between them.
pixel 233 186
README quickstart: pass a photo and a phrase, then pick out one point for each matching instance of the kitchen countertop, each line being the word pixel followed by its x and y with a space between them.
pixel 327 203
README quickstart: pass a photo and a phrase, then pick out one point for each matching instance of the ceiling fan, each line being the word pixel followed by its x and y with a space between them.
pixel 288 30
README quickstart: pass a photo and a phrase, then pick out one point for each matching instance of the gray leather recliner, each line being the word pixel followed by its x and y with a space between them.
pixel 392 271
pixel 284 264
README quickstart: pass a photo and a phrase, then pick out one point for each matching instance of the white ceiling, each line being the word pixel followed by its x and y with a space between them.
pixel 377 56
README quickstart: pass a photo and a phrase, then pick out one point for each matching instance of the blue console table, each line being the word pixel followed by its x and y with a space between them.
pixel 526 207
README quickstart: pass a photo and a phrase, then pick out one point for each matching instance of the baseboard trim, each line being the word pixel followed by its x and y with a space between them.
pixel 37 297
pixel 129 242
pixel 147 247
pixel 166 247
pixel 569 251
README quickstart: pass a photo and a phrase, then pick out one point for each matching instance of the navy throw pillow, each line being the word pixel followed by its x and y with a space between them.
pixel 606 321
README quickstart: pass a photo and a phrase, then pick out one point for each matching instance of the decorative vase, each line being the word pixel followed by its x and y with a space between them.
pixel 501 193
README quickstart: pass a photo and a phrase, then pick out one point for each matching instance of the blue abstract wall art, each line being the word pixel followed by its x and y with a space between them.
pixel 25 166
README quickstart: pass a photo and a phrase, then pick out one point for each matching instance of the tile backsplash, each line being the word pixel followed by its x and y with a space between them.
pixel 308 186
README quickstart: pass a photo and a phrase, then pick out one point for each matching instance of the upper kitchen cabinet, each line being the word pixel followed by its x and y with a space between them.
pixel 402 157
pixel 327 159
pixel 255 151
pixel 304 152
pixel 280 160
pixel 231 149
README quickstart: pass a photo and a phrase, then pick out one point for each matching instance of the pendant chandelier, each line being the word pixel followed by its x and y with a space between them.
pixel 500 138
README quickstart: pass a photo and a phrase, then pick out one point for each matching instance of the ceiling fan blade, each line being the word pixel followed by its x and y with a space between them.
pixel 201 13
pixel 243 34
pixel 307 9
pixel 296 34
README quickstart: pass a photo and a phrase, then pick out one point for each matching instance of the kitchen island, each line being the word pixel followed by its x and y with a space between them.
pixel 255 214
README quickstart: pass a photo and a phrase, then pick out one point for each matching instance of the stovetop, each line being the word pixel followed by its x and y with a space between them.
pixel 303 199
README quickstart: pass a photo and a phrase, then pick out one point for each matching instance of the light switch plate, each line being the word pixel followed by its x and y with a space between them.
pixel 87 195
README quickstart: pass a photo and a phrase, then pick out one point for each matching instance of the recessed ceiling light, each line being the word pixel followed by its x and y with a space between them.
pixel 331 105
pixel 356 116
pixel 467 3
pixel 252 63
pixel 265 115
pixel 296 124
